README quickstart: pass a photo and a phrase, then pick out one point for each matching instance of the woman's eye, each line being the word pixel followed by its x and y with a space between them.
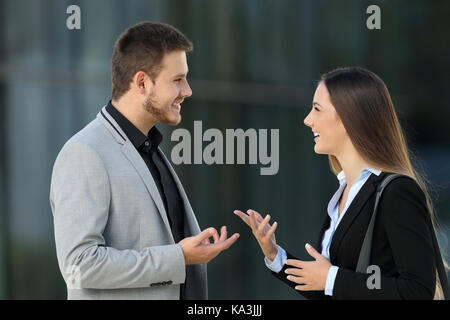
pixel 317 109
pixel 177 80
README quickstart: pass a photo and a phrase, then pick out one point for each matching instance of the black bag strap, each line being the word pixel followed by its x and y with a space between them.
pixel 364 255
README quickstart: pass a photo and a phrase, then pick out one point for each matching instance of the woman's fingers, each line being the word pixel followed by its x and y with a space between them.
pixel 295 272
pixel 258 217
pixel 296 275
pixel 244 217
pixel 271 231
pixel 261 228
pixel 263 224
pixel 298 280
pixel 254 220
pixel 253 223
pixel 262 231
pixel 296 263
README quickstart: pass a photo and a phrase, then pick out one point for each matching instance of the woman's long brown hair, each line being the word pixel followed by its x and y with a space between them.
pixel 364 105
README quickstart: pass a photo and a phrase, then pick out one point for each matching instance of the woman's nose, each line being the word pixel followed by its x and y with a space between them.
pixel 307 121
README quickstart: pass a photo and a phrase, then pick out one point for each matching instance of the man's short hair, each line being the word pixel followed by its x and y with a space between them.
pixel 142 48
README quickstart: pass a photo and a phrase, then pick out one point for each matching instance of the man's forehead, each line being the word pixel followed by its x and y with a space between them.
pixel 175 63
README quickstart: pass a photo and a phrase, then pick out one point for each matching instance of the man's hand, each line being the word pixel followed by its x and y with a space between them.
pixel 198 249
pixel 262 230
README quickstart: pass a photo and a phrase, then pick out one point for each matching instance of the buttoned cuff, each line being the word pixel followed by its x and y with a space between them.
pixel 277 264
pixel 331 277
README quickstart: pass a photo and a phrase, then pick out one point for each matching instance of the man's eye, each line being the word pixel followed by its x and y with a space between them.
pixel 177 80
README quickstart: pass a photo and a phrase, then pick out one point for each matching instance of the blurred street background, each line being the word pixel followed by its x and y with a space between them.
pixel 255 64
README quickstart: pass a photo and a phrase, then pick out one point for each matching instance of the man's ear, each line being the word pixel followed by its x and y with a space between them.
pixel 141 82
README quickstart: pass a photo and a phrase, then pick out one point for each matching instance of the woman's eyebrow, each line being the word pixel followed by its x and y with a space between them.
pixel 317 104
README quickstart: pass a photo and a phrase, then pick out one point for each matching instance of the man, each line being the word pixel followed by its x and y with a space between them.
pixel 124 227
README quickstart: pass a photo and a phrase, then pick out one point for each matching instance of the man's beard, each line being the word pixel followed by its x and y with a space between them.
pixel 161 115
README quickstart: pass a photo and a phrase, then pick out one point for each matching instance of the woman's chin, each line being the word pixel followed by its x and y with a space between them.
pixel 319 150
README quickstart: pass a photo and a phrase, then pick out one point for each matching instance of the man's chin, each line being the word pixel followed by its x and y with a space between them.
pixel 172 122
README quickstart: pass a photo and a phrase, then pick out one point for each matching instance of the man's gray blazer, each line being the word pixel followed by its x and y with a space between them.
pixel 113 238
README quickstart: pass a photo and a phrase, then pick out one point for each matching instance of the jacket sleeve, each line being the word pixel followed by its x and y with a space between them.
pixel 80 199
pixel 404 215
pixel 311 295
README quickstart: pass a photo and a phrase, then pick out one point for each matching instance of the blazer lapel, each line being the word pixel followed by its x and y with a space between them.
pixel 138 163
pixel 353 211
pixel 325 226
pixel 192 225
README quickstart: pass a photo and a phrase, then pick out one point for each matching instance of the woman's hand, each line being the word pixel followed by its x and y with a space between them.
pixel 262 230
pixel 310 275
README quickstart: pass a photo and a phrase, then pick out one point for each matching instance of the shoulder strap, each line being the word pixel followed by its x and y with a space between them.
pixel 364 255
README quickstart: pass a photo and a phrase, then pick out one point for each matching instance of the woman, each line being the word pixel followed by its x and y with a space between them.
pixel 353 121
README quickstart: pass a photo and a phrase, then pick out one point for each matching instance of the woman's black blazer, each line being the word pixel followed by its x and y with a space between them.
pixel 402 245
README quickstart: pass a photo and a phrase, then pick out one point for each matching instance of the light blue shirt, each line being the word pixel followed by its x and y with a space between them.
pixel 333 212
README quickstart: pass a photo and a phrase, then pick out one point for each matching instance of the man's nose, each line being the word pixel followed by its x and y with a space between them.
pixel 187 91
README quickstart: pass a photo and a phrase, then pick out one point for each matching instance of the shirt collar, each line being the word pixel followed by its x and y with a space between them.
pixel 137 138
pixel 333 207
pixel 365 171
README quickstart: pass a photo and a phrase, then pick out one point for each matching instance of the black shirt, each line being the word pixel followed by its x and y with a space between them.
pixel 147 146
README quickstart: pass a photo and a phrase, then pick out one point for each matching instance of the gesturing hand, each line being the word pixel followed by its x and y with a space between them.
pixel 198 249
pixel 310 275
pixel 263 232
